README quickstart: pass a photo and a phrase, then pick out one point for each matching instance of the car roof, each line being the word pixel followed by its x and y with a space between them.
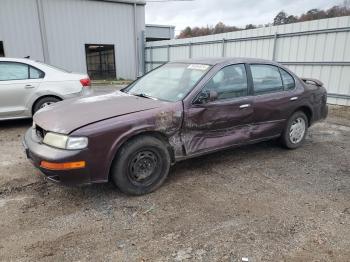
pixel 221 60
pixel 19 60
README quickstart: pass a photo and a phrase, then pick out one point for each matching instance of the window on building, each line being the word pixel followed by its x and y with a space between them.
pixel 100 61
pixel 2 52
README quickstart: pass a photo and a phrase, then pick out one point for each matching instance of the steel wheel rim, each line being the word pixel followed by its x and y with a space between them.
pixel 46 104
pixel 143 167
pixel 297 130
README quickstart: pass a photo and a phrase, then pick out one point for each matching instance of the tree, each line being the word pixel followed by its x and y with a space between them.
pixel 280 18
pixel 187 32
pixel 250 26
pixel 219 28
pixel 291 19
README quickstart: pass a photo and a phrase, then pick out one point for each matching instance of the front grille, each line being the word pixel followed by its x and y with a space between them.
pixel 40 132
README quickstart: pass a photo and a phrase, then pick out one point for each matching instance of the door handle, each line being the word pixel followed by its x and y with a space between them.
pixel 294 98
pixel 28 86
pixel 244 106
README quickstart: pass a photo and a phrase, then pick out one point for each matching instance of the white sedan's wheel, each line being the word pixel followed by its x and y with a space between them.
pixel 46 104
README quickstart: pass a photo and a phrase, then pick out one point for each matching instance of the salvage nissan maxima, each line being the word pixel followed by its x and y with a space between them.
pixel 177 111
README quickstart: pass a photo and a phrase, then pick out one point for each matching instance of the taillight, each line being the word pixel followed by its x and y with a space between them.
pixel 85 82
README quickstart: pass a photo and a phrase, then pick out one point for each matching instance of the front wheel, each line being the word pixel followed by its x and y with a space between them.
pixel 295 131
pixel 141 166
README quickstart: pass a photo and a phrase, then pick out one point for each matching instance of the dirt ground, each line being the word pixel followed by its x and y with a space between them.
pixel 260 201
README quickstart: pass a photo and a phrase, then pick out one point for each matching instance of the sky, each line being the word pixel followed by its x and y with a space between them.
pixel 230 12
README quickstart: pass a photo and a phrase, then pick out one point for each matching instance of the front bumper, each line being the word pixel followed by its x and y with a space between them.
pixel 37 152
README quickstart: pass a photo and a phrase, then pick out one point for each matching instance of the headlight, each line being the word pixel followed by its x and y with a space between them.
pixel 77 143
pixel 65 142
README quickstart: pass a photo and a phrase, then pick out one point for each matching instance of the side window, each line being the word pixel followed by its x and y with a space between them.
pixel 266 79
pixel 13 71
pixel 288 80
pixel 35 73
pixel 229 82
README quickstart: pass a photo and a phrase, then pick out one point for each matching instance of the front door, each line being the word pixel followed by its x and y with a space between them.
pixel 221 114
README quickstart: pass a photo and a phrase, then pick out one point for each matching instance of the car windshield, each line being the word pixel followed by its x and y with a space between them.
pixel 171 82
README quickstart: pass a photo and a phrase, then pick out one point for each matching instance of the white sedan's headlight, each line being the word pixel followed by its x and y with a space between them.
pixel 65 142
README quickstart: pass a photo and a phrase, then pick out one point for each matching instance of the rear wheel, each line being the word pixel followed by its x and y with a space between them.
pixel 141 166
pixel 295 131
pixel 44 102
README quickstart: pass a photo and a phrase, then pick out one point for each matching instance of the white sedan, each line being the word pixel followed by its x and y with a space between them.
pixel 27 86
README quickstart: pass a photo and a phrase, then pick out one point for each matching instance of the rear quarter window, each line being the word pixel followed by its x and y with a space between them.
pixel 35 73
pixel 288 80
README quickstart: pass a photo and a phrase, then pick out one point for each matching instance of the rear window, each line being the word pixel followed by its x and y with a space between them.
pixel 266 78
pixel 54 67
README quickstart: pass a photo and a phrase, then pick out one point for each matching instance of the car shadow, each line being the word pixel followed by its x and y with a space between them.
pixel 180 170
pixel 215 160
pixel 15 123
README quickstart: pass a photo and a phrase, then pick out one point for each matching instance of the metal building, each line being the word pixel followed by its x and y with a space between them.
pixel 101 37
pixel 159 32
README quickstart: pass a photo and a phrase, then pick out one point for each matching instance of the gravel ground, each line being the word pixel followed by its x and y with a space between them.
pixel 260 201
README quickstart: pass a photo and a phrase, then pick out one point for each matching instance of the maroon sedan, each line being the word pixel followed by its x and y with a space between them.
pixel 177 111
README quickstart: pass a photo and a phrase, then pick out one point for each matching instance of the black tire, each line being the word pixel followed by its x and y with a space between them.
pixel 286 138
pixel 42 101
pixel 141 166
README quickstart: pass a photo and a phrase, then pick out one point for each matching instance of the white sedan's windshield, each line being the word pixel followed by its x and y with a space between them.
pixel 171 82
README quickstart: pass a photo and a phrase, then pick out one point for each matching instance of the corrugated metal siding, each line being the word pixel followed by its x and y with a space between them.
pixel 19 29
pixel 72 24
pixel 326 55
pixel 163 32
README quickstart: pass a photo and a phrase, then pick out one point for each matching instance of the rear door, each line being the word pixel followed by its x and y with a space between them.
pixel 18 81
pixel 274 94
pixel 222 122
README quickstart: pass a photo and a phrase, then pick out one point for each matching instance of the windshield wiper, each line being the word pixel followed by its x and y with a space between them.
pixel 144 96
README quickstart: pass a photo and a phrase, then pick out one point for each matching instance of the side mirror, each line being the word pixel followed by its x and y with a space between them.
pixel 206 96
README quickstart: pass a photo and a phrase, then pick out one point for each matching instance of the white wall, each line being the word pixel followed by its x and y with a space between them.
pixel 19 29
pixel 306 52
pixel 69 25
pixel 72 24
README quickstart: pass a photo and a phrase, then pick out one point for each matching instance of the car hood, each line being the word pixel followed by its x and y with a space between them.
pixel 69 115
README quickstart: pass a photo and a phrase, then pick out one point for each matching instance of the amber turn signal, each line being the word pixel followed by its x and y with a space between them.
pixel 62 166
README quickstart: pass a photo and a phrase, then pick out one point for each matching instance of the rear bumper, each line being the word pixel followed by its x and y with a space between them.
pixel 37 152
pixel 85 91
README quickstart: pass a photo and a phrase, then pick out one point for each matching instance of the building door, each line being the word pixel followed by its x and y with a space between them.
pixel 100 61
pixel 2 52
